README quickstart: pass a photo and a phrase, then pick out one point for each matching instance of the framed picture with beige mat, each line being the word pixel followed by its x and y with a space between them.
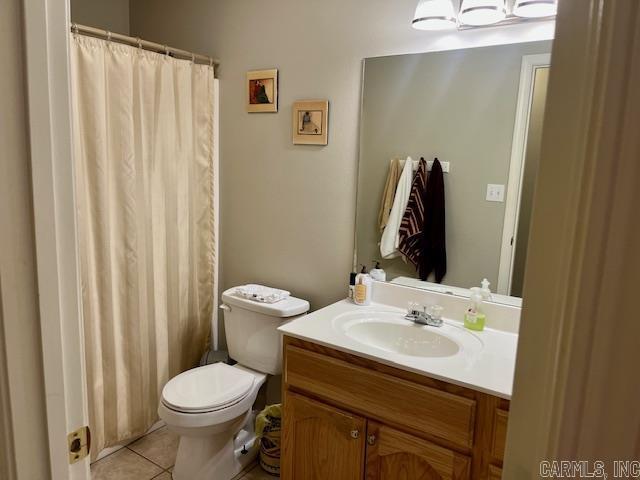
pixel 262 91
pixel 310 121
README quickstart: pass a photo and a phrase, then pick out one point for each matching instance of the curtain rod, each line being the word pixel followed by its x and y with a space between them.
pixel 145 44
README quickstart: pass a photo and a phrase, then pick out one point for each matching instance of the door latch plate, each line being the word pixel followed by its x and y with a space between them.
pixel 79 444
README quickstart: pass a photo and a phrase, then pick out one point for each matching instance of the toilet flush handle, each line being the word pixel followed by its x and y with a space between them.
pixel 225 307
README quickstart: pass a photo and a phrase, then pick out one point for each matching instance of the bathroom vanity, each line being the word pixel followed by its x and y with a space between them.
pixel 370 394
pixel 356 407
pixel 347 417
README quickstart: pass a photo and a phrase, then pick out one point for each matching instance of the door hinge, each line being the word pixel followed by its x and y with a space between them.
pixel 79 444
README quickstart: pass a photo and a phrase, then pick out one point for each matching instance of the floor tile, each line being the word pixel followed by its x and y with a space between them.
pixel 124 465
pixel 163 476
pixel 257 473
pixel 160 447
pixel 243 472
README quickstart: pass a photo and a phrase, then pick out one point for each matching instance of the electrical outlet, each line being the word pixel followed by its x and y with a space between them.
pixel 495 193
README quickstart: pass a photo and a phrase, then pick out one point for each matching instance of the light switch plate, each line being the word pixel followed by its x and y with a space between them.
pixel 495 192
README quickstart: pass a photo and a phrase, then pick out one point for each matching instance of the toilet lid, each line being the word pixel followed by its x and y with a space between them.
pixel 207 388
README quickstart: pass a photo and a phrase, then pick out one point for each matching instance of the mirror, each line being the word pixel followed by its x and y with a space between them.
pixel 478 111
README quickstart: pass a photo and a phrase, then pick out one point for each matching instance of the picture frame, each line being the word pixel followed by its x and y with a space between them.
pixel 310 122
pixel 262 91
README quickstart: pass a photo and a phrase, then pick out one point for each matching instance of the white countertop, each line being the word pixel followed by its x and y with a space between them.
pixel 488 368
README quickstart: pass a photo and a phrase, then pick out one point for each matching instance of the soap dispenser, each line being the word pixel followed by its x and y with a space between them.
pixel 474 319
pixel 378 273
pixel 362 293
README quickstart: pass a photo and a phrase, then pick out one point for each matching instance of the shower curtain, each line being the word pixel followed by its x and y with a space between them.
pixel 144 162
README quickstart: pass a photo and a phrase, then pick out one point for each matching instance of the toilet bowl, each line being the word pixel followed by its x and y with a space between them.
pixel 208 406
pixel 211 407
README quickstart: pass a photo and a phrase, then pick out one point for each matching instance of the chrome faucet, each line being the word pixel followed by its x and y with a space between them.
pixel 423 317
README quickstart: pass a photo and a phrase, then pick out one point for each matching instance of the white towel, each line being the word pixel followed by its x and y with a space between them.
pixel 260 293
pixel 390 238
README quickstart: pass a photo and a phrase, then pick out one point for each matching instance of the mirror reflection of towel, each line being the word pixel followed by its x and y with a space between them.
pixel 389 193
pixel 389 241
pixel 411 228
pixel 434 249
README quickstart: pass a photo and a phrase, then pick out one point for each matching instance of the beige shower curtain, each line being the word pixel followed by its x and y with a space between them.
pixel 144 150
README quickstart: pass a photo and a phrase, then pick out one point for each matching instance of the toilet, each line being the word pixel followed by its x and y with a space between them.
pixel 211 407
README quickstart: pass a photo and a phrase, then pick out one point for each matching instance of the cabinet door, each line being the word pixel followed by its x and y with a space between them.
pixel 394 455
pixel 321 442
pixel 495 473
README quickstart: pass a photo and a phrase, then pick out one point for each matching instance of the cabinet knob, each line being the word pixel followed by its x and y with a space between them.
pixel 355 434
pixel 371 439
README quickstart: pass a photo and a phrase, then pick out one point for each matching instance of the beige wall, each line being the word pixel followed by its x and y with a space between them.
pixel 112 15
pixel 459 106
pixel 288 211
pixel 19 320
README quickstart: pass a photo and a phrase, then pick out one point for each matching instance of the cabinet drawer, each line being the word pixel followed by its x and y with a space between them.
pixel 500 419
pixel 381 396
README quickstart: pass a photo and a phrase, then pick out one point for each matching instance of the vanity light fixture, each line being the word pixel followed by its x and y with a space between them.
pixel 535 8
pixel 482 12
pixel 434 15
pixel 442 15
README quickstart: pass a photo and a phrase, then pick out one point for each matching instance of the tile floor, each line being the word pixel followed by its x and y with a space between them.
pixel 152 457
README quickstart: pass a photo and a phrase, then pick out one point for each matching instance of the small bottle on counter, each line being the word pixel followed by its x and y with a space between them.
pixel 474 319
pixel 352 285
pixel 362 291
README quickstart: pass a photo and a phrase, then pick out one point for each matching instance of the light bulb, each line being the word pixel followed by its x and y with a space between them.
pixel 482 12
pixel 535 8
pixel 434 15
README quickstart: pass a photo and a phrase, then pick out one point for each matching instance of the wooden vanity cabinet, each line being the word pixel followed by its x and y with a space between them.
pixel 321 442
pixel 348 418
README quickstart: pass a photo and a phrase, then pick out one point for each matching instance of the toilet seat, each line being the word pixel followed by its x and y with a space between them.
pixel 217 415
pixel 207 389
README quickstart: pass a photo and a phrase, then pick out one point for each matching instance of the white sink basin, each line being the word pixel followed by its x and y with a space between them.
pixel 391 332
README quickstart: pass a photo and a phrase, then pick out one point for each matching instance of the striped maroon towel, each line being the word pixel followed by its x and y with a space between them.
pixel 410 233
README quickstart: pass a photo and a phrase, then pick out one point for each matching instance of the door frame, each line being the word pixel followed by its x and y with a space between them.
pixel 530 63
pixel 47 26
pixel 576 394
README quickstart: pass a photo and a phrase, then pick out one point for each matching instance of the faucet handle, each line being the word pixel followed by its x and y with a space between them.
pixel 435 311
pixel 412 308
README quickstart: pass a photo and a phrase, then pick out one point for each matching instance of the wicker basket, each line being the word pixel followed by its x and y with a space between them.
pixel 269 426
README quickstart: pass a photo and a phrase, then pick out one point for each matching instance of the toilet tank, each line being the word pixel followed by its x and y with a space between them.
pixel 251 329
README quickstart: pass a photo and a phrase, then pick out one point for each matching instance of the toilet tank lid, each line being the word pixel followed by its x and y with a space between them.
pixel 284 308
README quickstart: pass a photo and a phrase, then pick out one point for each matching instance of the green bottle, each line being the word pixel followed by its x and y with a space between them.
pixel 474 319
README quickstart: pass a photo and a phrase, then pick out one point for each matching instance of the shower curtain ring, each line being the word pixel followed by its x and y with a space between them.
pixel 74 27
pixel 166 50
pixel 109 37
pixel 139 42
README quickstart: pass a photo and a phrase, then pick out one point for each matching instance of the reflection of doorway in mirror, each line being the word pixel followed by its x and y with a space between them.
pixel 529 175
pixel 523 169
